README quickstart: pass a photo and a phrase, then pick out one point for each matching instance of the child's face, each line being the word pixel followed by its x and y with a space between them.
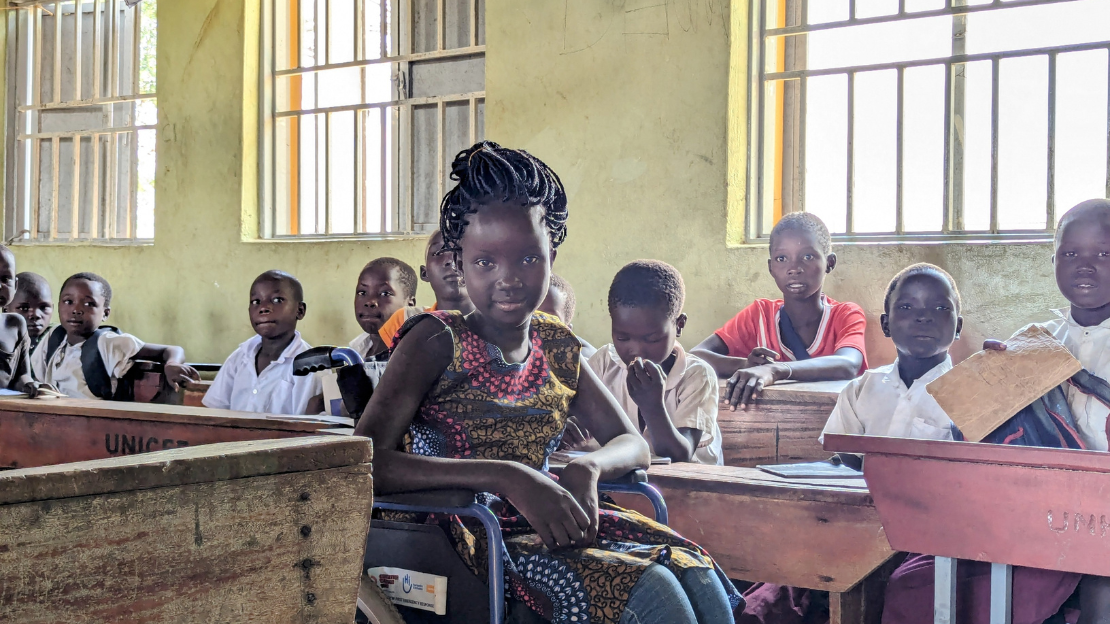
pixel 922 321
pixel 798 264
pixel 506 262
pixel 441 272
pixel 644 332
pixel 378 295
pixel 274 311
pixel 555 304
pixel 82 308
pixel 1082 262
pixel 34 305
pixel 7 278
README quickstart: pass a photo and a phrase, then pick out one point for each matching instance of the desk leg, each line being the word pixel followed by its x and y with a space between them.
pixel 1002 580
pixel 944 591
pixel 847 607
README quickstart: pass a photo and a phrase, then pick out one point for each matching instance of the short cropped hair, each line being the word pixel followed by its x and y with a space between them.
pixel 105 287
pixel 921 268
pixel 570 302
pixel 282 277
pixel 1098 206
pixel 648 283
pixel 408 274
pixel 804 222
pixel 28 281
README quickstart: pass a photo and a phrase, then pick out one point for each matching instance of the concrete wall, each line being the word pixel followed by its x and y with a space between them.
pixel 628 101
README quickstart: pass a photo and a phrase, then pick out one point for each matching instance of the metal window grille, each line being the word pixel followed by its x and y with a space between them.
pixel 927 120
pixel 82 121
pixel 364 105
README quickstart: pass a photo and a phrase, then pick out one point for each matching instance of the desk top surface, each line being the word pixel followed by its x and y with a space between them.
pixel 757 483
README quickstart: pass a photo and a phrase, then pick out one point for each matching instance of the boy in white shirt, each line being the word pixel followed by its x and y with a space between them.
pixel 61 360
pixel 258 376
pixel 671 394
pixel 922 317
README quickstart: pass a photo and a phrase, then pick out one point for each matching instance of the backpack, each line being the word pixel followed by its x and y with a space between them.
pixel 92 365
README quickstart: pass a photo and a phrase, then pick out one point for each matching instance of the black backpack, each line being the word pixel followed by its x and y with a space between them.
pixel 92 365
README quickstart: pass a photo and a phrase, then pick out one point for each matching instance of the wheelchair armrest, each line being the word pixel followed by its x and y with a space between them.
pixel 428 498
pixel 632 478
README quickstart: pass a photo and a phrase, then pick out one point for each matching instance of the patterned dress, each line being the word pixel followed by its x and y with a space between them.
pixel 482 407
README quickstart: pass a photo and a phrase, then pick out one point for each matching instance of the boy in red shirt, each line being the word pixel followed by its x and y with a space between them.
pixel 805 336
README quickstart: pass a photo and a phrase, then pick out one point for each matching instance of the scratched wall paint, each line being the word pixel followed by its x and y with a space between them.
pixel 628 100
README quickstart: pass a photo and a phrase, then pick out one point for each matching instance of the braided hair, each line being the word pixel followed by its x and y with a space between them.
pixel 488 172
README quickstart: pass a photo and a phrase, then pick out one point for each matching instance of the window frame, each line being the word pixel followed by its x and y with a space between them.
pixel 760 76
pixel 401 184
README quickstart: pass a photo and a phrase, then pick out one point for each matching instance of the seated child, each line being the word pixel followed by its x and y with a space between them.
pixel 671 394
pixel 922 317
pixel 805 335
pixel 385 286
pixel 440 272
pixel 34 302
pixel 258 376
pixel 561 303
pixel 15 344
pixel 480 401
pixel 67 358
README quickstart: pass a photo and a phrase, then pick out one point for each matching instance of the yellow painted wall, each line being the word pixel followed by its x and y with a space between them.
pixel 628 101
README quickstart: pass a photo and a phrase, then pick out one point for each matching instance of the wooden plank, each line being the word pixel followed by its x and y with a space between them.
pixel 781 427
pixel 814 533
pixel 282 547
pixel 144 411
pixel 42 439
pixel 231 460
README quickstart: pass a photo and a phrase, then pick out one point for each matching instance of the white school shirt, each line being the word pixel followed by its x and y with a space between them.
pixel 64 372
pixel 1090 346
pixel 878 403
pixel 276 391
pixel 691 396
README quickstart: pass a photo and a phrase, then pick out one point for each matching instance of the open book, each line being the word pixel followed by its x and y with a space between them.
pixel 46 393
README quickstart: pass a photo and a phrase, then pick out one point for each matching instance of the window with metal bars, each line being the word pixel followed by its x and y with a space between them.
pixel 364 105
pixel 897 120
pixel 82 121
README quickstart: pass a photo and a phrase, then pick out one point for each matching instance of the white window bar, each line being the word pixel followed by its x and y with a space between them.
pixel 772 67
pixel 406 81
pixel 80 140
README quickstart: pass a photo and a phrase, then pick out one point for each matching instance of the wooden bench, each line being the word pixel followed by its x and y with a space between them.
pixel 781 427
pixel 41 433
pixel 812 533
pixel 262 531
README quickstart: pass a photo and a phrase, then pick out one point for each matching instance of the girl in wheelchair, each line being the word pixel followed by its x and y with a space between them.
pixel 479 401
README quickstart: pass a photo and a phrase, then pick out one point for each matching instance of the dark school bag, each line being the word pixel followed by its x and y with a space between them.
pixel 92 365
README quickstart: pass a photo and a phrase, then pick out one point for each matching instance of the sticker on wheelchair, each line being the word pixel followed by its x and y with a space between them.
pixel 412 589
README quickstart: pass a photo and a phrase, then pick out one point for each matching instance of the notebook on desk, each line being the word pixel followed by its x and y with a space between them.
pixel 812 470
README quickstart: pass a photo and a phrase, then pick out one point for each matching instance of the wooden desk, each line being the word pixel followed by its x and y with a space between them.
pixel 814 533
pixel 265 531
pixel 782 427
pixel 41 433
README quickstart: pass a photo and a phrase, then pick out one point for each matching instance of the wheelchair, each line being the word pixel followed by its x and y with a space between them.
pixel 425 548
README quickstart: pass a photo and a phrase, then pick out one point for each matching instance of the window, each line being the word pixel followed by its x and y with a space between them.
pixel 82 121
pixel 365 103
pixel 928 119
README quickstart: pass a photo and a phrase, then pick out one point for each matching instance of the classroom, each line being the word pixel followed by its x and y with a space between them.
pixel 624 167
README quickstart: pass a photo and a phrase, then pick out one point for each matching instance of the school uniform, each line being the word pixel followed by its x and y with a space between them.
pixel 878 403
pixel 760 325
pixel 1091 346
pixel 63 369
pixel 690 396
pixel 238 385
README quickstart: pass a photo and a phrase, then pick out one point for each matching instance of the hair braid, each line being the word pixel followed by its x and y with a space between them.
pixel 488 172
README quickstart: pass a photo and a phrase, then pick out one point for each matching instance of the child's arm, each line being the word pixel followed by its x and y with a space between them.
pixel 715 352
pixel 173 358
pixel 746 384
pixel 646 385
pixel 414 368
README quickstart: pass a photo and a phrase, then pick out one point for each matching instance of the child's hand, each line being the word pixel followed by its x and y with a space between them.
pixel 581 482
pixel 746 385
pixel 551 509
pixel 760 356
pixel 645 381
pixel 32 388
pixel 575 438
pixel 178 374
pixel 994 345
